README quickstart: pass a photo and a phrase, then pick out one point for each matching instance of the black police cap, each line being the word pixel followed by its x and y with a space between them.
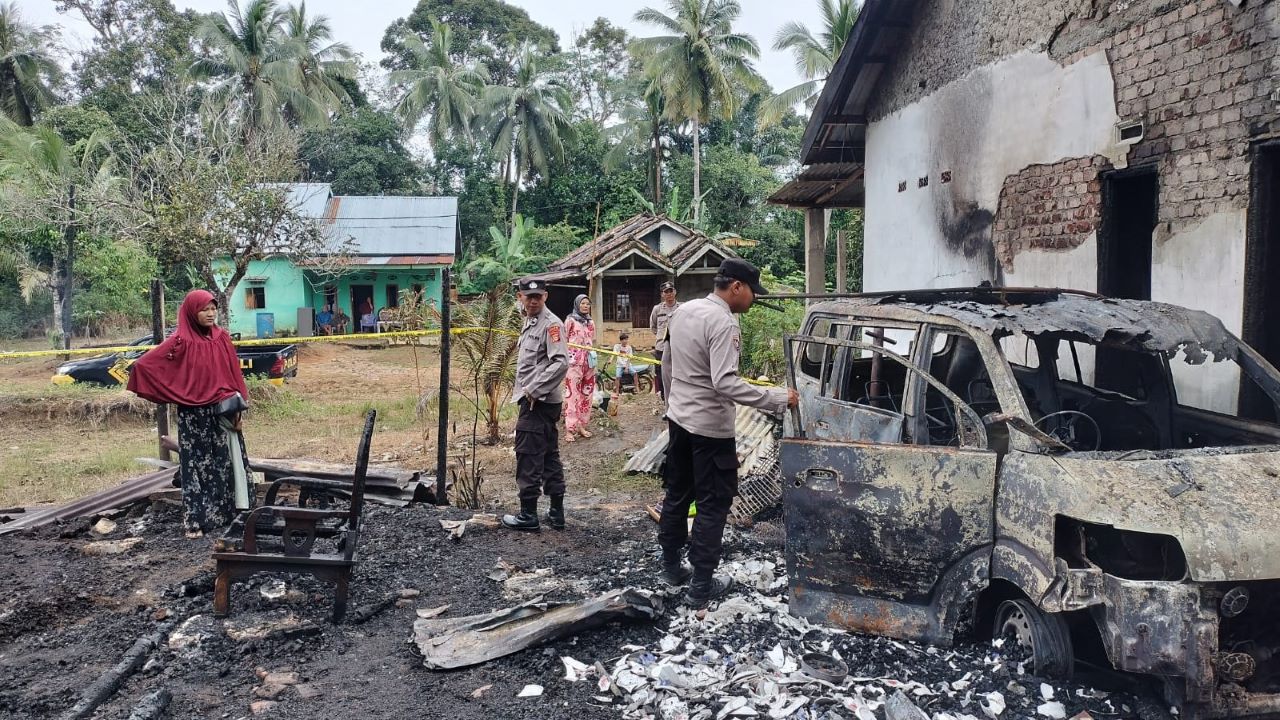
pixel 739 269
pixel 533 286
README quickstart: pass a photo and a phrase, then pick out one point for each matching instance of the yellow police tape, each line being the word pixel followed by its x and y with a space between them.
pixel 318 338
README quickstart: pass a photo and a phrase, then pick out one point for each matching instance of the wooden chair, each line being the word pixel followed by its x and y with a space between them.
pixel 301 528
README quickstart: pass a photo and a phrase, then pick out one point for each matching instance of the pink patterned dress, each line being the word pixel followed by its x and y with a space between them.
pixel 580 383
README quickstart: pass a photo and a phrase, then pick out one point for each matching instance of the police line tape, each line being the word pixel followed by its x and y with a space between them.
pixel 27 354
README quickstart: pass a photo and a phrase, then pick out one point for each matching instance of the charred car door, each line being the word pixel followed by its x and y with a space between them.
pixel 885 534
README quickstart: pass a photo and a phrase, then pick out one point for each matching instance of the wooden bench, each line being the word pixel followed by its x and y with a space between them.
pixel 298 532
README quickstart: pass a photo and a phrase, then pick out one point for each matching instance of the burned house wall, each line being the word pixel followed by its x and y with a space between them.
pixel 937 167
pixel 992 130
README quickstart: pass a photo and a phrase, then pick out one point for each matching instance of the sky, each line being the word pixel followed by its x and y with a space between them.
pixel 361 24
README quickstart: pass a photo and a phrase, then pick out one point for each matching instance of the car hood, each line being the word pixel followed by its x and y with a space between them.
pixel 1222 504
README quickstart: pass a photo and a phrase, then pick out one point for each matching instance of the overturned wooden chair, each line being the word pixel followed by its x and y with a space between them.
pixel 298 533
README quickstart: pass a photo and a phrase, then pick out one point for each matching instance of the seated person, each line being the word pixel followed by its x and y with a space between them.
pixel 324 320
pixel 340 321
pixel 624 353
pixel 369 322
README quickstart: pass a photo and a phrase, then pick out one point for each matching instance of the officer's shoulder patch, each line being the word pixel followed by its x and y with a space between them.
pixel 553 332
pixel 737 342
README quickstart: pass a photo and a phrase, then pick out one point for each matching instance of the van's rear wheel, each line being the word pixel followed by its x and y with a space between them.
pixel 1044 636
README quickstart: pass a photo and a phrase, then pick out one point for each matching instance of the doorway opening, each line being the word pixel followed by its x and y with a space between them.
pixel 1261 270
pixel 362 305
pixel 1130 209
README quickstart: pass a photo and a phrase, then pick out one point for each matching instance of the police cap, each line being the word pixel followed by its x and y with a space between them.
pixel 739 269
pixel 533 286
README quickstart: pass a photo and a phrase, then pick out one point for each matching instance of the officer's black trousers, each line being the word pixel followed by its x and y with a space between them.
pixel 703 469
pixel 538 467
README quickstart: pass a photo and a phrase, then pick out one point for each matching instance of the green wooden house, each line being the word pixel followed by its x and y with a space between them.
pixel 396 244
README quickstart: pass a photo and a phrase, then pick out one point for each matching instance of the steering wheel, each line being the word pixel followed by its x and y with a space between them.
pixel 1065 432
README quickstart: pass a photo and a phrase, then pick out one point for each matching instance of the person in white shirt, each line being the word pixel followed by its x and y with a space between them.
pixel 622 354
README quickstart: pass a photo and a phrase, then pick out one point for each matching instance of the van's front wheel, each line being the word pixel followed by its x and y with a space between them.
pixel 1043 636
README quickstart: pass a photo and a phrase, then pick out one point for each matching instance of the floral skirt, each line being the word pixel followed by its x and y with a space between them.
pixel 580 386
pixel 212 456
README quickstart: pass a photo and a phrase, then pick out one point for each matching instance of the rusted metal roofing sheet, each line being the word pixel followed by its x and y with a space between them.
pixel 124 494
pixel 823 185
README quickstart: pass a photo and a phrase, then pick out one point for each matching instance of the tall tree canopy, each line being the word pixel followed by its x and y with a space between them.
pixel 529 119
pixel 272 65
pixel 814 56
pixel 361 152
pixel 445 90
pixel 28 72
pixel 487 32
pixel 700 65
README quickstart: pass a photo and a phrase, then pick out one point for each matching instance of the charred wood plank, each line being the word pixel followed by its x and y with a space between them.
pixel 107 685
pixel 152 706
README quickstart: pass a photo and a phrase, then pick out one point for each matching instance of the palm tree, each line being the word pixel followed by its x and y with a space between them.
pixel 439 87
pixel 322 64
pixel 46 184
pixel 699 66
pixel 530 118
pixel 26 67
pixel 270 66
pixel 814 56
pixel 643 125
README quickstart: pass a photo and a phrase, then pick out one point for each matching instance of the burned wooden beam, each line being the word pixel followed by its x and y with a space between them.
pixel 107 685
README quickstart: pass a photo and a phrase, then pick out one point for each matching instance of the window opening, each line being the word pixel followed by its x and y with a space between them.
pixel 255 298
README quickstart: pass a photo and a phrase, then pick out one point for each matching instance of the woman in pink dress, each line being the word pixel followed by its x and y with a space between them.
pixel 580 383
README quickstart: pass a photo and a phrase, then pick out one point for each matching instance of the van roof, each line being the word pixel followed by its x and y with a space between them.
pixel 1141 324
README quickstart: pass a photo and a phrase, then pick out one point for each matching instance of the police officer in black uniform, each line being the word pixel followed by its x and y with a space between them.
pixel 541 365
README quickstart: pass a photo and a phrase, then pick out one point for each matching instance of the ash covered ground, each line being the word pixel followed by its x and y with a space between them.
pixel 68 616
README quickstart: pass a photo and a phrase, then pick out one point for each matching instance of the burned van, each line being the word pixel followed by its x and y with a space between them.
pixel 1089 476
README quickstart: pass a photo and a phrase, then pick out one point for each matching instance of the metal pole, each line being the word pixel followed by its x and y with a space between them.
pixel 442 439
pixel 157 336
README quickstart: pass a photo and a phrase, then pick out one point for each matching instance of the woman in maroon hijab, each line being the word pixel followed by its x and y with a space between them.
pixel 197 369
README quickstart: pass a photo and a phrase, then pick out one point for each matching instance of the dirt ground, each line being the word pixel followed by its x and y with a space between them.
pixel 67 616
pixel 65 442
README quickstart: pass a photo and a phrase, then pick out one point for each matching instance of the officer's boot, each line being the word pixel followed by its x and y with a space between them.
pixel 526 520
pixel 555 516
pixel 706 586
pixel 675 571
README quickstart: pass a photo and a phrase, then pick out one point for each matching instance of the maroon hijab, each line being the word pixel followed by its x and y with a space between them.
pixel 194 366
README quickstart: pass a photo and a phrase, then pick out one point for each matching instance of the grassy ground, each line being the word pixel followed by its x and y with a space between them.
pixel 64 442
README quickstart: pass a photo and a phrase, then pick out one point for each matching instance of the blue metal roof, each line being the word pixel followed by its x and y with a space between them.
pixel 395 225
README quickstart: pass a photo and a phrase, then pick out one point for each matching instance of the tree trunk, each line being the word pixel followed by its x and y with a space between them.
pixel 220 294
pixel 492 390
pixel 515 197
pixel 657 167
pixel 697 172
pixel 66 275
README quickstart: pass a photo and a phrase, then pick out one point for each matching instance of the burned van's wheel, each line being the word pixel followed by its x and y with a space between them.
pixel 1043 636
pixel 644 385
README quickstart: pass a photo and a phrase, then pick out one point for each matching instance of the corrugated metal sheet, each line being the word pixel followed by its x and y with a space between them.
pixel 398 260
pixel 390 225
pixel 126 493
pixel 759 480
pixel 823 185
pixel 310 199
